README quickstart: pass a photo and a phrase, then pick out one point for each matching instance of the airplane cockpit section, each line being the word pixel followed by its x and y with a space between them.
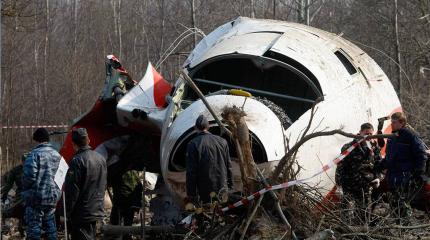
pixel 275 72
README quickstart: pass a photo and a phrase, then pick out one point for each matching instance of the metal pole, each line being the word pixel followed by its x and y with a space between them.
pixel 65 216
pixel 7 158
pixel 1 209
pixel 190 82
pixel 143 203
pixel 193 21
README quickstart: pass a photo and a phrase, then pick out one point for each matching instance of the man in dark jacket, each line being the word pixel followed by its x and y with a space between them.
pixel 85 186
pixel 356 174
pixel 405 162
pixel 208 164
pixel 39 190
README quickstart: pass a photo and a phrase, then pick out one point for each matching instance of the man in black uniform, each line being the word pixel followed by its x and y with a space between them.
pixel 356 174
pixel 85 187
pixel 208 164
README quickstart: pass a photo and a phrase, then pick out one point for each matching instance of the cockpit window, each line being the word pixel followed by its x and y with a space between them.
pixel 345 61
pixel 265 77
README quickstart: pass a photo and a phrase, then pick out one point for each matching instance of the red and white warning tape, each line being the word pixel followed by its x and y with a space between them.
pixel 246 200
pixel 33 126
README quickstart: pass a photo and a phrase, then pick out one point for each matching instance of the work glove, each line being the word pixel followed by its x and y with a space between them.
pixel 376 182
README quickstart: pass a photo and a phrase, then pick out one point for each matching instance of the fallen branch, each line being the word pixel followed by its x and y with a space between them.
pixel 134 230
pixel 251 217
pixel 405 227
pixel 377 236
pixel 277 204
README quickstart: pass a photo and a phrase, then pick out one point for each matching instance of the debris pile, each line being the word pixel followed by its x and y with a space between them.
pixel 304 213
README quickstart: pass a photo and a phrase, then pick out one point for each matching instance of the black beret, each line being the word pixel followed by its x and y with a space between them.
pixel 41 135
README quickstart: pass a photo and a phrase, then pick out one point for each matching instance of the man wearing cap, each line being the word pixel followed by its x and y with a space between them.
pixel 85 186
pixel 39 191
pixel 208 164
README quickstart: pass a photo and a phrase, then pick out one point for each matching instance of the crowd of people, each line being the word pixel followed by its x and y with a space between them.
pixel 208 171
pixel 37 194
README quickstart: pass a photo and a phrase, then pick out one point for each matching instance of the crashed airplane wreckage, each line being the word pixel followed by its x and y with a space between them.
pixel 286 67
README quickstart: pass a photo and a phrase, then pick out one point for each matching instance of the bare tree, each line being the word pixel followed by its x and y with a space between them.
pixel 397 47
pixel 53 51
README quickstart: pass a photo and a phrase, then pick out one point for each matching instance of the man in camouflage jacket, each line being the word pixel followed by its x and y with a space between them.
pixel 16 209
pixel 39 191
pixel 356 174
pixel 127 199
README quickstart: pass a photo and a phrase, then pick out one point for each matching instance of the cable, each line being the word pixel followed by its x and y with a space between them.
pixel 175 43
pixel 173 49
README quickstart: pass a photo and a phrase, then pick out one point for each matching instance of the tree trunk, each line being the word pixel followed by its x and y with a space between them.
pixel 235 117
pixel 163 21
pixel 303 11
pixel 45 62
pixel 252 9
pixel 274 9
pixel 193 21
pixel 119 29
pixel 307 12
pixel 397 49
pixel 37 89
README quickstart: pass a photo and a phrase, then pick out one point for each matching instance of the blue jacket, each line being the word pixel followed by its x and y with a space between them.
pixel 39 188
pixel 405 157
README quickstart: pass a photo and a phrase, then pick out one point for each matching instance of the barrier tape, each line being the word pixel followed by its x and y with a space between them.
pixel 244 201
pixel 34 126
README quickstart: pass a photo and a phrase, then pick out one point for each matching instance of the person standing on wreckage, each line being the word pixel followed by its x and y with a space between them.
pixel 357 174
pixel 208 164
pixel 121 82
pixel 85 186
pixel 405 162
